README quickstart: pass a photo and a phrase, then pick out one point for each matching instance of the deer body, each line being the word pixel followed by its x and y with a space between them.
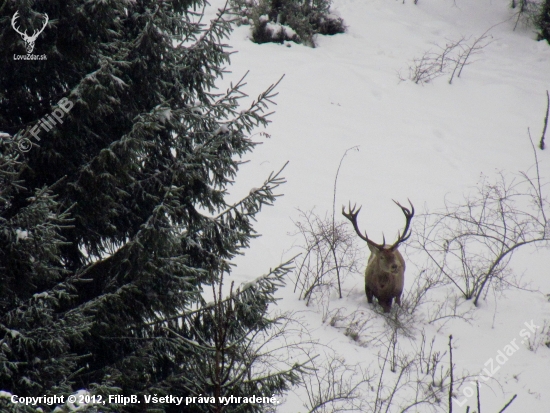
pixel 385 273
pixel 384 277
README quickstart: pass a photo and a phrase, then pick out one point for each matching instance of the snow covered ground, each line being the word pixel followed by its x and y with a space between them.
pixel 423 142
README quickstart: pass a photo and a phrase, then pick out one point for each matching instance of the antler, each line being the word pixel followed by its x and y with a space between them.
pixel 13 19
pixel 25 35
pixel 352 216
pixel 37 32
pixel 408 216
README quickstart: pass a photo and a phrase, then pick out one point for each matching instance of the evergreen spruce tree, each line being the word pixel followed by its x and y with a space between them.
pixel 543 21
pixel 116 155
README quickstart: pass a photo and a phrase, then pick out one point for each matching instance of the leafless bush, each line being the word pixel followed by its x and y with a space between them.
pixel 472 242
pixel 448 308
pixel 420 304
pixel 449 59
pixel 426 68
pixel 477 401
pixel 335 386
pixel 404 382
pixel 355 325
pixel 541 337
pixel 329 252
pixel 329 255
pixel 434 64
pixel 416 296
pixel 422 381
pixel 416 385
pixel 467 51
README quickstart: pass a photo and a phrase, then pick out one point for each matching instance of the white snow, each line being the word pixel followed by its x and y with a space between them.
pixel 222 129
pixel 275 30
pixel 76 406
pixel 119 81
pixel 423 142
pixel 21 234
pixel 164 114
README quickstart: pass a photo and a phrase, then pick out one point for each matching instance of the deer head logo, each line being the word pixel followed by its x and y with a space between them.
pixel 29 40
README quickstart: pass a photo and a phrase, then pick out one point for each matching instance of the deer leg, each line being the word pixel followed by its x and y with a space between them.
pixel 398 300
pixel 369 294
pixel 386 304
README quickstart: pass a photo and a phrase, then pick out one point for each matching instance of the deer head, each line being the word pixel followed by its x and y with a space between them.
pixel 29 40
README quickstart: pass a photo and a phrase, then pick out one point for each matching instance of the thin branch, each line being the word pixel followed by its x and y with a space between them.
pixel 451 370
pixel 542 145
pixel 508 404
pixel 333 219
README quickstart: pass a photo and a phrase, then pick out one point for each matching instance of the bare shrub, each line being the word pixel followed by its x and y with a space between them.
pixel 329 255
pixel 420 305
pixel 357 325
pixel 434 64
pixel 448 308
pixel 462 59
pixel 403 383
pixel 416 296
pixel 415 385
pixel 335 386
pixel 424 380
pixel 426 68
pixel 449 59
pixel 541 337
pixel 472 242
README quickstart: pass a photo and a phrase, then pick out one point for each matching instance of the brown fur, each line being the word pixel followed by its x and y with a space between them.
pixel 384 276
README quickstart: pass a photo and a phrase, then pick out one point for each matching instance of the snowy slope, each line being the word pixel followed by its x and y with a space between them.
pixel 422 142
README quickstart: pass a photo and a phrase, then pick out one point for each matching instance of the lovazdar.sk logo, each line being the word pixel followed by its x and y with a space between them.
pixel 29 40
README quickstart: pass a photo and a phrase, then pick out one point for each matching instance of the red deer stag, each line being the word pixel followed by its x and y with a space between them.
pixel 385 271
